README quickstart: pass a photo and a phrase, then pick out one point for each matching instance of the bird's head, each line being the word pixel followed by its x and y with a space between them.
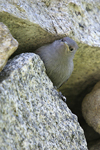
pixel 70 44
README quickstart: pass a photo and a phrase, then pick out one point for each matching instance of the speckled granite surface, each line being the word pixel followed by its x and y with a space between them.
pixel 8 45
pixel 32 115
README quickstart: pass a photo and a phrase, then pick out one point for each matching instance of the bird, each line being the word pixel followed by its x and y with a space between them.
pixel 58 59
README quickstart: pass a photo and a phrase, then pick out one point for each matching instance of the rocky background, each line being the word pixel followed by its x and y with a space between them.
pixel 33 24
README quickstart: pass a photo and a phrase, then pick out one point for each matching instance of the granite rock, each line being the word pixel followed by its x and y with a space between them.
pixel 35 23
pixel 75 18
pixel 8 45
pixel 32 114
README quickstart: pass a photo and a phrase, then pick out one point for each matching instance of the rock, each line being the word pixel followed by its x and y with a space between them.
pixel 32 115
pixel 91 108
pixel 7 45
pixel 40 18
pixel 35 23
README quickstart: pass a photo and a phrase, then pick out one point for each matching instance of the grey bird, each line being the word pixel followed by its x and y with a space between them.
pixel 58 59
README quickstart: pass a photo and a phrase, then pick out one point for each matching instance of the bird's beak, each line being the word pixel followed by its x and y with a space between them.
pixel 67 46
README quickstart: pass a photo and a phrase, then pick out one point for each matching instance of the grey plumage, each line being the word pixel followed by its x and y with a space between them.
pixel 58 59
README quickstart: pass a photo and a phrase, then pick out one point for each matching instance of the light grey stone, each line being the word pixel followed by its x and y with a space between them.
pixel 32 115
pixel 32 20
pixel 34 23
pixel 8 45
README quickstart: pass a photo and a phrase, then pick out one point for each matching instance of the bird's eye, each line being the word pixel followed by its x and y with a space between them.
pixel 71 48
pixel 62 40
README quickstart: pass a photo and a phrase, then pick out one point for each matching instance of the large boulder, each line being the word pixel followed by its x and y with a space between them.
pixel 32 114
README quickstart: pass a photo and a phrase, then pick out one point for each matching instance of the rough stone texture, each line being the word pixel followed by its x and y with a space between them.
pixel 7 45
pixel 91 108
pixel 34 23
pixel 32 115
